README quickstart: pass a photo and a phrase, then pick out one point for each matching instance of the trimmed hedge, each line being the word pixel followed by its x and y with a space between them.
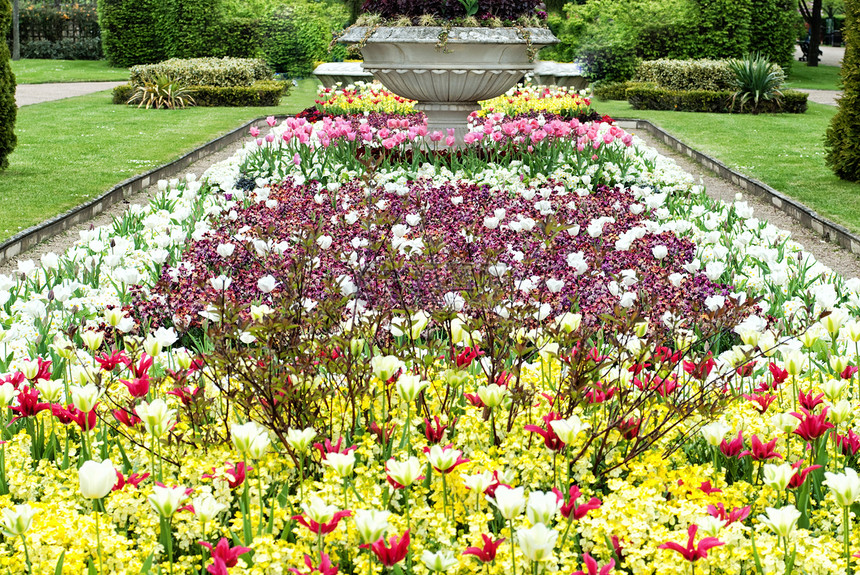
pixel 8 108
pixel 130 31
pixel 614 90
pixel 643 97
pixel 262 93
pixel 223 72
pixel 687 74
pixel 294 38
pixel 842 141
pixel 82 49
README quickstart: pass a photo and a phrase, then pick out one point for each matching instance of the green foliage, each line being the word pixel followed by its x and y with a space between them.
pixel 190 27
pixel 52 23
pixel 775 25
pixel 756 80
pixel 687 74
pixel 131 32
pixel 67 49
pixel 614 90
pixel 8 108
pixel 294 38
pixel 842 140
pixel 237 37
pixel 164 92
pixel 262 93
pixel 204 71
pixel 674 29
pixel 645 97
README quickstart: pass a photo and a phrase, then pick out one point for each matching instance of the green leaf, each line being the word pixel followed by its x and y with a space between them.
pixel 147 565
pixel 58 570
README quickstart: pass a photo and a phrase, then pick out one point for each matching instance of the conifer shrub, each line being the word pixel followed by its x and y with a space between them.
pixel 8 108
pixel 842 140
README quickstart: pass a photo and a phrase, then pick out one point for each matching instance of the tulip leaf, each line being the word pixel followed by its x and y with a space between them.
pixel 147 565
pixel 91 569
pixel 58 570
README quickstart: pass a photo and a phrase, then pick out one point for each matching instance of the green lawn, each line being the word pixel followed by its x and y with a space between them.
pixel 785 151
pixel 43 71
pixel 75 149
pixel 816 78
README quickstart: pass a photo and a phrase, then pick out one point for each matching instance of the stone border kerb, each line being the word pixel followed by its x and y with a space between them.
pixel 830 231
pixel 34 235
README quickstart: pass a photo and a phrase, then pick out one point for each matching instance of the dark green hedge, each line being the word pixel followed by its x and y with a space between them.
pixel 8 108
pixel 131 31
pixel 614 90
pixel 842 140
pixel 259 94
pixel 652 98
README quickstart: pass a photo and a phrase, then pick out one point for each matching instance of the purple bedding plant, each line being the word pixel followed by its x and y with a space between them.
pixel 422 246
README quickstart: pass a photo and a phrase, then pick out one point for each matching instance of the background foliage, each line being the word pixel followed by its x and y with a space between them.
pixel 609 37
pixel 8 108
pixel 843 136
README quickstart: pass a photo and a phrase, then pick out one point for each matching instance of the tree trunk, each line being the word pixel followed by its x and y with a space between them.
pixel 814 33
pixel 16 31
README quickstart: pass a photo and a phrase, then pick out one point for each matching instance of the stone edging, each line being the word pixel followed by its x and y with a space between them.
pixel 830 231
pixel 34 235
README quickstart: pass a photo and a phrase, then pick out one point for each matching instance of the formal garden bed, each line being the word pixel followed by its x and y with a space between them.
pixel 546 350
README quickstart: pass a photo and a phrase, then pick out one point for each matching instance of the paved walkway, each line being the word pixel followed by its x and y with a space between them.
pixel 26 94
pixel 830 55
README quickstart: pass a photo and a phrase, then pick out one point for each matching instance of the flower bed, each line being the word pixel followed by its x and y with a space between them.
pixel 355 348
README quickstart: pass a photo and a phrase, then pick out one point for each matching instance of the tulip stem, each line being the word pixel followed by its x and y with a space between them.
pixel 26 555
pixel 513 548
pixel 846 537
pixel 260 486
pixel 98 537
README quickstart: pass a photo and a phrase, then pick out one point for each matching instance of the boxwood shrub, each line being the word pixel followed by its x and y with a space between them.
pixel 650 97
pixel 224 72
pixel 261 93
pixel 687 74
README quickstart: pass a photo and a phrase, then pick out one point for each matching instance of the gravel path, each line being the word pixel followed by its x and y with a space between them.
pixel 26 94
pixel 822 96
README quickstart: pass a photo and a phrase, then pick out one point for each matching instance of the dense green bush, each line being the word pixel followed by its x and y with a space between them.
pixel 8 108
pixel 675 29
pixel 131 31
pixel 613 90
pixel 687 74
pixel 204 71
pixel 237 37
pixel 645 97
pixel 189 27
pixel 263 93
pixel 82 49
pixel 842 140
pixel 294 37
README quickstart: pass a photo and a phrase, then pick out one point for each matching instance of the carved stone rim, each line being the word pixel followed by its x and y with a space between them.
pixel 455 35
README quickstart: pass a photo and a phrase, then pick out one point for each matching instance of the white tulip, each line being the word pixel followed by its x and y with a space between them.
pixel 845 486
pixel 509 501
pixel 96 479
pixel 538 542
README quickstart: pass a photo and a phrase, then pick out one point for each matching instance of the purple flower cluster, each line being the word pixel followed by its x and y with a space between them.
pixel 420 245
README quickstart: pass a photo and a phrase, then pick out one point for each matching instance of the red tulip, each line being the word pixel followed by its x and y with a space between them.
pixel 324 528
pixel 325 567
pixel 486 553
pixel 592 566
pixel 224 554
pixel 395 553
pixel 570 509
pixel 761 451
pixel 693 552
pixel 812 426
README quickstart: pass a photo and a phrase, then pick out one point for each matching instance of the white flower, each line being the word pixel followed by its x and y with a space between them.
pixel 542 507
pixel 301 440
pixel 267 283
pixel 715 432
pixel 498 270
pixel 438 562
pixel 220 283
pixel 660 251
pixel 166 500
pixel 156 417
pixel 96 479
pixel 206 507
pixel 385 366
pixel 371 524
pixel 845 486
pixel 781 520
pixel 568 429
pixel 492 395
pixel 318 511
pixel 406 472
pixel 324 242
pixel 342 463
pixel 15 522
pixel 509 501
pixel 554 285
pixel 85 398
pixel 778 476
pixel 8 393
pixel 249 438
pixel 453 301
pixel 538 542
pixel 412 325
pixel 409 386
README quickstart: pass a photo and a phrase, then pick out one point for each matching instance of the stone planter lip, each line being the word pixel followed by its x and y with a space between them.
pixel 456 35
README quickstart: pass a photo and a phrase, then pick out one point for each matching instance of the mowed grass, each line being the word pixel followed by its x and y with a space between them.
pixel 785 151
pixel 44 71
pixel 815 78
pixel 72 150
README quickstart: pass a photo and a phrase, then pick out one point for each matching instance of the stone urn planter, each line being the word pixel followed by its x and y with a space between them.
pixel 448 76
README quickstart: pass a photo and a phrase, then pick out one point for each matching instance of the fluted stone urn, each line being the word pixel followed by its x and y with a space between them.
pixel 448 76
